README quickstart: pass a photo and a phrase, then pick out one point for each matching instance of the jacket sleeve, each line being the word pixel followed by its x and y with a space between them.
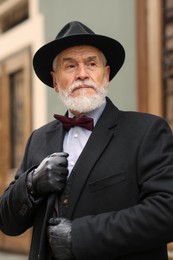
pixel 16 207
pixel 146 225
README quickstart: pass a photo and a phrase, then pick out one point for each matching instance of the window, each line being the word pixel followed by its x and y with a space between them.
pixel 16 83
pixel 12 13
pixel 168 60
pixel 15 127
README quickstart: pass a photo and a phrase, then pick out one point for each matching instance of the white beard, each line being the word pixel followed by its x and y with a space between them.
pixel 84 102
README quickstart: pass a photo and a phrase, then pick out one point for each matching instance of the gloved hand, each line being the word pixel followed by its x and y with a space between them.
pixel 59 235
pixel 50 175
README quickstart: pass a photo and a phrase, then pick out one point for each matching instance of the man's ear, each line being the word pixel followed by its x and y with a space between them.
pixel 54 81
pixel 107 72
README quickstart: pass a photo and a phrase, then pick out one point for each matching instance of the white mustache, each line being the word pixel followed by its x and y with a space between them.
pixel 79 83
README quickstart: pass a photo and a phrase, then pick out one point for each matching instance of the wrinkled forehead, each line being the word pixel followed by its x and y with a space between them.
pixel 78 53
pixel 81 51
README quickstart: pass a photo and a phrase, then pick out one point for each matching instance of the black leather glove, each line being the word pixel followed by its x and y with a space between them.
pixel 59 235
pixel 49 176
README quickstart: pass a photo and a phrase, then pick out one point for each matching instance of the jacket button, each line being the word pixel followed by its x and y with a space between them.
pixel 65 202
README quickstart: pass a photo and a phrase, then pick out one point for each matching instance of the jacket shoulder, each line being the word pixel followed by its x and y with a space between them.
pixel 48 127
pixel 135 116
pixel 140 121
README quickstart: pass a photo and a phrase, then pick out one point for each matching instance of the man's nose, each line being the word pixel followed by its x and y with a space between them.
pixel 82 72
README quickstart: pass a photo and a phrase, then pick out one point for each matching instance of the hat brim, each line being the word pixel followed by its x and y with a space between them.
pixel 43 58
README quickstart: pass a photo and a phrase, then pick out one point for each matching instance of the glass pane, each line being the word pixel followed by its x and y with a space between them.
pixel 16 118
pixel 168 60
pixel 14 15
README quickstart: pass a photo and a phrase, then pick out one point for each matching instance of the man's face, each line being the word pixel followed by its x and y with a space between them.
pixel 80 72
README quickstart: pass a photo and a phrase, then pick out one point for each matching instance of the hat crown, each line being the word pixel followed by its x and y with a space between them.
pixel 73 28
pixel 75 34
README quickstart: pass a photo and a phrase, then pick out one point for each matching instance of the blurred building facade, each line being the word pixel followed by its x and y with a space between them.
pixel 145 82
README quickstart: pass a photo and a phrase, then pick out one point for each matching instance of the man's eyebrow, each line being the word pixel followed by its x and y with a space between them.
pixel 71 59
pixel 68 59
pixel 91 58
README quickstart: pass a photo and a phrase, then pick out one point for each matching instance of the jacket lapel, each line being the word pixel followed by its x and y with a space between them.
pixel 98 141
pixel 54 141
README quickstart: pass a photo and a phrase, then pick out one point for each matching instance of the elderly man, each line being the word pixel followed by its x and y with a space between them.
pixel 98 182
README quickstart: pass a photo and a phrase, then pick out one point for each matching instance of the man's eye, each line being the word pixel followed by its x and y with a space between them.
pixel 71 66
pixel 92 64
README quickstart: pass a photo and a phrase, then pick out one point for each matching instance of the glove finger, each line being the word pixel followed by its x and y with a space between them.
pixel 58 160
pixel 63 172
pixel 60 173
pixel 54 221
pixel 60 154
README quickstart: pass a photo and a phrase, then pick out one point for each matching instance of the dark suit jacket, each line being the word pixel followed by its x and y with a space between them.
pixel 121 199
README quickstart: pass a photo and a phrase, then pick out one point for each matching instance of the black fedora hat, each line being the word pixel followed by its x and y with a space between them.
pixel 72 34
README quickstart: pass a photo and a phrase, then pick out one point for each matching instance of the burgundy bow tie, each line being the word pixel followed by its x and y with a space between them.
pixel 82 121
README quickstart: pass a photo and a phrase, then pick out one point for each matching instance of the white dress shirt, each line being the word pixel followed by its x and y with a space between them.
pixel 76 138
